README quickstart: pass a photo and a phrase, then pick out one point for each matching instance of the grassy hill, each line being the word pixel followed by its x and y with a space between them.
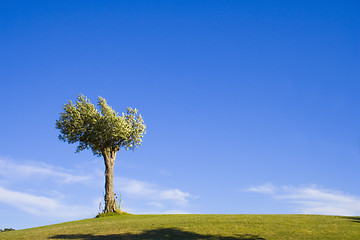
pixel 210 227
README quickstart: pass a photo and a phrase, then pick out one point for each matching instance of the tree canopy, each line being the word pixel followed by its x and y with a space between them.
pixel 100 130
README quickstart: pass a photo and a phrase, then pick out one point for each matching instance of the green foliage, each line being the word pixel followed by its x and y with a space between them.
pixel 100 129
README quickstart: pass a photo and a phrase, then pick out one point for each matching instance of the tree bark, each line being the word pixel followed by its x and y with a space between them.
pixel 109 159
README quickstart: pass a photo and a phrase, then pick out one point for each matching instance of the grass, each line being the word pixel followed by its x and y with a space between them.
pixel 112 214
pixel 210 227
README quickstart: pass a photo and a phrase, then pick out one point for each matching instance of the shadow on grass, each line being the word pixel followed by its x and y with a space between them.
pixel 156 234
pixel 353 219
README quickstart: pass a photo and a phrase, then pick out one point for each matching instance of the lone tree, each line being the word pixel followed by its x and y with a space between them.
pixel 104 132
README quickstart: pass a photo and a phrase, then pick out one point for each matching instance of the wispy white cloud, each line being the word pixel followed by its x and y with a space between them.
pixel 267 188
pixel 152 194
pixel 142 197
pixel 181 198
pixel 41 205
pixel 313 199
pixel 10 169
pixel 136 187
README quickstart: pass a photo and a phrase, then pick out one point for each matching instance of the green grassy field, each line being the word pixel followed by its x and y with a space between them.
pixel 211 227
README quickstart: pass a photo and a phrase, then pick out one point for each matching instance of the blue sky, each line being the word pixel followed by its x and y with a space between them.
pixel 251 106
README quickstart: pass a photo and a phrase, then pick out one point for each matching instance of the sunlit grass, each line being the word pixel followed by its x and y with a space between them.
pixel 223 227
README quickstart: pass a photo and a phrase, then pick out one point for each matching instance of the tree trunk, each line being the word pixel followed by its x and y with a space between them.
pixel 109 159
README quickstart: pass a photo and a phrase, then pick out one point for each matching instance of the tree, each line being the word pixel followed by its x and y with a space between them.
pixel 104 132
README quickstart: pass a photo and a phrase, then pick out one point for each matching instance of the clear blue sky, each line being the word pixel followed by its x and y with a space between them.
pixel 250 106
